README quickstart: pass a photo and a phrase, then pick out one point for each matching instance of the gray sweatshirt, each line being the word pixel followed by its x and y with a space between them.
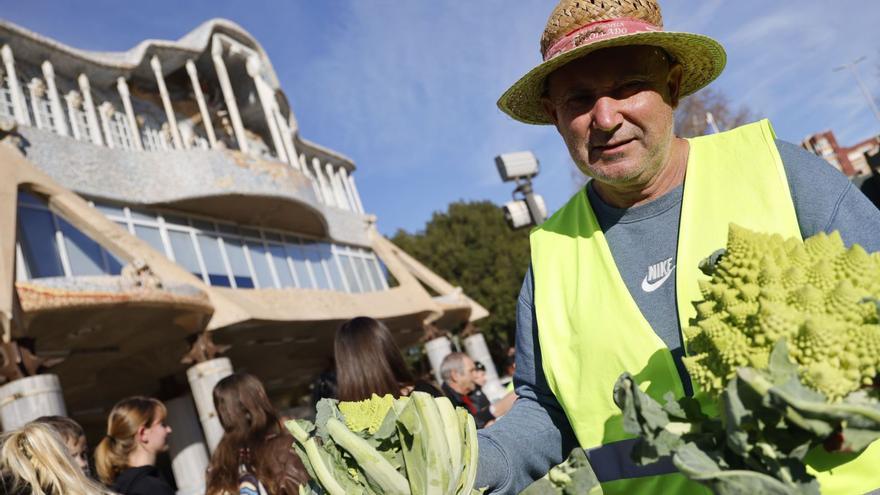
pixel 535 435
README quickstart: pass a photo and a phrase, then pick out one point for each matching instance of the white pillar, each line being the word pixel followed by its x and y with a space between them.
pixel 166 102
pixel 314 181
pixel 89 105
pixel 343 178
pixel 437 350
pixel 228 94
pixel 37 90
pixel 18 103
pixel 125 95
pixel 354 192
pixel 74 101
pixel 200 99
pixel 267 100
pixel 189 455
pixel 326 189
pixel 286 138
pixel 106 111
pixel 338 193
pixel 54 99
pixel 476 348
pixel 202 378
pixel 26 399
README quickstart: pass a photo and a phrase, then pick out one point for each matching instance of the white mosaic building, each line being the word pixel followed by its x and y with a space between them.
pixel 160 203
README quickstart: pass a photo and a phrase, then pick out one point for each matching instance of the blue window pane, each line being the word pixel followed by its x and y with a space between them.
pixel 347 268
pixel 240 270
pixel 175 220
pixel 114 264
pixel 26 198
pixel 316 261
pixel 271 236
pixel 83 253
pixel 261 264
pixel 378 276
pixel 213 260
pixel 184 251
pixel 142 215
pixel 333 267
pixel 37 234
pixel 279 260
pixel 361 267
pixel 110 210
pixel 152 236
pixel 250 233
pixel 203 225
pixel 227 228
pixel 299 265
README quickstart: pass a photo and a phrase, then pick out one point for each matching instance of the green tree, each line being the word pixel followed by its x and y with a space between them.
pixel 471 246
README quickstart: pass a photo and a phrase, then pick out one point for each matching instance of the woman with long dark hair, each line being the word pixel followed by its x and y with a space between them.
pixel 254 443
pixel 369 362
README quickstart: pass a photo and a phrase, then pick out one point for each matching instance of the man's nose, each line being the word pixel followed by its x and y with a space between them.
pixel 606 114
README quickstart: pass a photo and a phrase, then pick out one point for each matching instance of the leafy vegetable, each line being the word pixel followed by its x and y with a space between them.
pixel 572 477
pixel 787 343
pixel 417 445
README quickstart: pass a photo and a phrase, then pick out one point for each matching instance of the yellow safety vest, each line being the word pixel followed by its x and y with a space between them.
pixel 590 329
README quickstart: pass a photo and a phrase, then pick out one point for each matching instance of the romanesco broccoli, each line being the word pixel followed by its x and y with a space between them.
pixel 816 294
pixel 366 414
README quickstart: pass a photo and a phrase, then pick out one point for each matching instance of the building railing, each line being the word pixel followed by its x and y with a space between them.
pixel 219 253
pixel 36 97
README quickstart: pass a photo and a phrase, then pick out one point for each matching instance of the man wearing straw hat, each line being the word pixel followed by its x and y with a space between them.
pixel 608 287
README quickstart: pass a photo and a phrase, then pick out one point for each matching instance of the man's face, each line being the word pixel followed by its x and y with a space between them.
pixel 614 109
pixel 465 380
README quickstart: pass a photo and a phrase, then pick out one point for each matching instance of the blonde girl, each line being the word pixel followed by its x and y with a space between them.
pixel 34 459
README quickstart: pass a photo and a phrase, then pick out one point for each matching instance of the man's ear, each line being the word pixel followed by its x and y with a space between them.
pixel 673 84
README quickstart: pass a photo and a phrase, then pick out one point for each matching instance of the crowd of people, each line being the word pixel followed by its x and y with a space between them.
pixel 50 456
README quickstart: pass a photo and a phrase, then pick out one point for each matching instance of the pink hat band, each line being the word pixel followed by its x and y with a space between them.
pixel 598 31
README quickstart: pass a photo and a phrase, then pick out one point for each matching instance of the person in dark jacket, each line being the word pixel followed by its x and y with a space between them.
pixel 458 372
pixel 126 457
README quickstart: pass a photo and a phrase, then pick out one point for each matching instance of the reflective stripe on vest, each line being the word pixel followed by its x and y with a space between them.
pixel 591 330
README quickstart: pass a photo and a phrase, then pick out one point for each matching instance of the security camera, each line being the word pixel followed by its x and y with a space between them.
pixel 517 165
pixel 517 215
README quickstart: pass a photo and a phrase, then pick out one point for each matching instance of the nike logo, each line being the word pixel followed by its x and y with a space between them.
pixel 657 274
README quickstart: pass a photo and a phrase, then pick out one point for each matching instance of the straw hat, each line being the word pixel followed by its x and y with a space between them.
pixel 578 27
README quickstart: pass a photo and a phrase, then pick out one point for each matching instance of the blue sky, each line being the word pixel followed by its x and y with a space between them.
pixel 408 89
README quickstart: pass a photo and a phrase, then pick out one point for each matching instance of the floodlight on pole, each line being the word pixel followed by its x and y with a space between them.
pixel 852 68
pixel 527 208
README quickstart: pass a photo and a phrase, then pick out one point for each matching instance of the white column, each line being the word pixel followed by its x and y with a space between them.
pixel 228 94
pixel 18 103
pixel 106 111
pixel 166 102
pixel 476 348
pixel 343 178
pixel 338 193
pixel 354 192
pixel 437 350
pixel 189 455
pixel 200 99
pixel 308 173
pixel 325 186
pixel 74 101
pixel 125 95
pixel 202 378
pixel 89 105
pixel 286 137
pixel 37 90
pixel 26 399
pixel 266 97
pixel 54 99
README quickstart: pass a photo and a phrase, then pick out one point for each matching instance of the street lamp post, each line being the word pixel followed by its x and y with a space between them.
pixel 852 68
